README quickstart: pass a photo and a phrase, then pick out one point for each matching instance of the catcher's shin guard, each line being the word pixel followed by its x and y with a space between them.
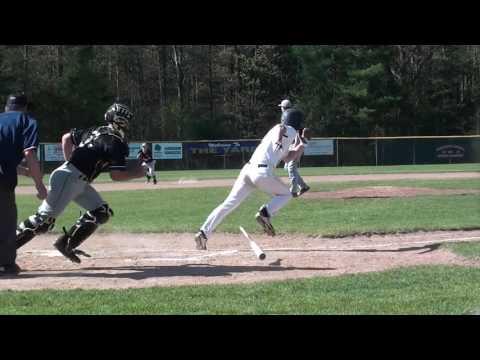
pixel 78 233
pixel 33 226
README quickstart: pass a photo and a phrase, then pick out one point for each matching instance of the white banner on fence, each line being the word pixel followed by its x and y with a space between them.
pixel 319 147
pixel 53 152
pixel 134 149
pixel 169 151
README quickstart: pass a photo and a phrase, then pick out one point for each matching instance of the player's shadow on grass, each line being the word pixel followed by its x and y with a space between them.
pixel 147 272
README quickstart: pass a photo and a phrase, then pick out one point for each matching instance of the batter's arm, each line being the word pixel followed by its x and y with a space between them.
pixel 294 153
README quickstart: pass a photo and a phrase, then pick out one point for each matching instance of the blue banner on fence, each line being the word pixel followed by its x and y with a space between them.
pixel 221 147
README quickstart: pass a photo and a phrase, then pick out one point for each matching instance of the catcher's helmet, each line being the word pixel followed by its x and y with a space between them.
pixel 294 118
pixel 119 115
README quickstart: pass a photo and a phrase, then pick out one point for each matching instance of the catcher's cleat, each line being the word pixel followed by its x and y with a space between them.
pixel 303 190
pixel 263 218
pixel 201 240
pixel 62 245
pixel 82 253
pixel 69 254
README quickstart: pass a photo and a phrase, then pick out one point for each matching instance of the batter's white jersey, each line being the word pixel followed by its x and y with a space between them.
pixel 258 174
pixel 267 152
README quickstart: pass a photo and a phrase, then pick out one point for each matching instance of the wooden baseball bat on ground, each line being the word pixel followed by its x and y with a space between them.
pixel 256 249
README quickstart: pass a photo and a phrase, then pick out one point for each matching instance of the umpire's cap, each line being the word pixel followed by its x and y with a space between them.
pixel 16 101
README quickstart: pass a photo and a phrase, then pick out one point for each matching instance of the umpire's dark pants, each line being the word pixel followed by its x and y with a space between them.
pixel 8 225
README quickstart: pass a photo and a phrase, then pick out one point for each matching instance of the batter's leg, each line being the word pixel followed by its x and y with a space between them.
pixel 240 191
pixel 274 186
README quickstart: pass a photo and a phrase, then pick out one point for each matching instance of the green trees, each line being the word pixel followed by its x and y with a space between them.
pixel 390 90
pixel 232 91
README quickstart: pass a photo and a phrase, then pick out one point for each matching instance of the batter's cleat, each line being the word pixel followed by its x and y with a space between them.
pixel 263 218
pixel 303 190
pixel 154 181
pixel 201 240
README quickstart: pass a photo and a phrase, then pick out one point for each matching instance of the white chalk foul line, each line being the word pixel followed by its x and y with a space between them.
pixel 396 245
pixel 191 258
pixel 105 255
pixel 102 255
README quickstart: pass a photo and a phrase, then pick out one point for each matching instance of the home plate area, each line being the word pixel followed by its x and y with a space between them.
pixel 120 261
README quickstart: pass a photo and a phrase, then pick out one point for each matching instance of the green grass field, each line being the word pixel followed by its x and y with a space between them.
pixel 420 290
pixel 306 171
pixel 160 211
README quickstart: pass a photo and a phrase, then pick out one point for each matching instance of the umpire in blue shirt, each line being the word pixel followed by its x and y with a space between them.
pixel 18 141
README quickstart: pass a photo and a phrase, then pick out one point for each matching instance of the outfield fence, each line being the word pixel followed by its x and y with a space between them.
pixel 340 151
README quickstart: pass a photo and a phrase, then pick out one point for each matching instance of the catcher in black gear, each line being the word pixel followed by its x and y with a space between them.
pixel 87 153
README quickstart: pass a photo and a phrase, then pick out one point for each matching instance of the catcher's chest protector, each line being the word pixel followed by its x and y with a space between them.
pixel 98 150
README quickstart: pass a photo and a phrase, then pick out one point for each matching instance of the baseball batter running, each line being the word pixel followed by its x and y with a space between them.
pixel 146 158
pixel 87 154
pixel 259 173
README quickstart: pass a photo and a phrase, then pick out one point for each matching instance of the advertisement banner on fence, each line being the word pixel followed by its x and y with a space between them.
pixel 53 152
pixel 320 147
pixel 167 151
pixel 134 149
pixel 221 147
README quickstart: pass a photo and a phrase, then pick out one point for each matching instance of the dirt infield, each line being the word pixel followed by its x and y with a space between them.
pixel 192 183
pixel 122 261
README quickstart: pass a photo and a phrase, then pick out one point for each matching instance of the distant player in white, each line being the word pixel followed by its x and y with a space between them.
pixel 258 173
pixel 297 184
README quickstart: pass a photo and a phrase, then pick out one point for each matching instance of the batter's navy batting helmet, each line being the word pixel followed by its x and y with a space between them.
pixel 294 118
pixel 119 115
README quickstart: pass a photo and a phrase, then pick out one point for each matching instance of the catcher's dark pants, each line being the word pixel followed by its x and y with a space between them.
pixel 8 226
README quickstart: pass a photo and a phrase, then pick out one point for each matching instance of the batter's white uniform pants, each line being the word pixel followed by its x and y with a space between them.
pixel 251 177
